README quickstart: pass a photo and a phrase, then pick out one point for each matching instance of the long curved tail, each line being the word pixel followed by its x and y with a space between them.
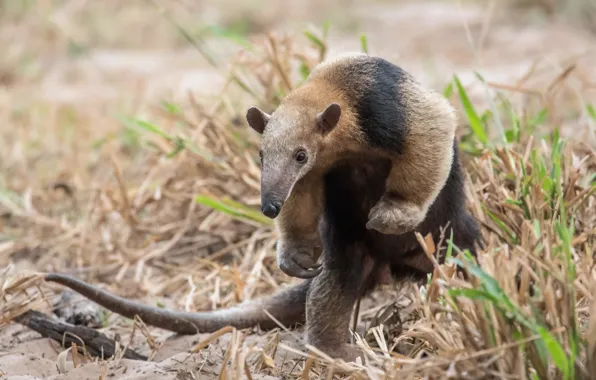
pixel 287 306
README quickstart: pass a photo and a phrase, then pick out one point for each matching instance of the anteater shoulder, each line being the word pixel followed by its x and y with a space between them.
pixel 377 91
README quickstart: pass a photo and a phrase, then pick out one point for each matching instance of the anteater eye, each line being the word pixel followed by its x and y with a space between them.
pixel 300 156
pixel 261 155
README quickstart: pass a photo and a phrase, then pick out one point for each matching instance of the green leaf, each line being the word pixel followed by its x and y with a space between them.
pixel 473 294
pixel 104 315
pixel 180 142
pixel 514 202
pixel 591 111
pixel 539 119
pixel 315 40
pixel 537 227
pixel 364 43
pixel 179 147
pixel 326 27
pixel 473 118
pixel 230 35
pixel 485 117
pixel 304 70
pixel 556 351
pixel 148 127
pixel 489 283
pixel 233 209
pixel 511 135
pixel 171 108
pixel 501 225
pixel 448 91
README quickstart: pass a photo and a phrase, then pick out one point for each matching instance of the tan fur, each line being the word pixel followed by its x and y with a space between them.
pixel 416 178
pixel 420 173
pixel 297 224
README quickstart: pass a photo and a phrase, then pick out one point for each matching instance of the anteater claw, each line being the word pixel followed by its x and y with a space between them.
pixel 299 264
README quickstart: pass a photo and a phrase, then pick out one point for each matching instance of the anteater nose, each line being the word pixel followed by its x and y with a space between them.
pixel 271 210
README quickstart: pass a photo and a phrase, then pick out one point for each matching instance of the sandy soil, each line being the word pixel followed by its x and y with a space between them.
pixel 428 39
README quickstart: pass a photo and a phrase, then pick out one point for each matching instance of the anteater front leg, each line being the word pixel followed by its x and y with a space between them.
pixel 299 245
pixel 416 178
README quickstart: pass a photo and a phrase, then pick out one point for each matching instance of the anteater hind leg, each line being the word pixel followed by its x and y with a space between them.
pixel 331 299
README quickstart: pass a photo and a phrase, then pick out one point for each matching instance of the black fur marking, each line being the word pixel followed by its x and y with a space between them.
pixel 348 202
pixel 374 85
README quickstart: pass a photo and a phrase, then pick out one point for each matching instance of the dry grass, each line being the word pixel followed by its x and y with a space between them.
pixel 164 205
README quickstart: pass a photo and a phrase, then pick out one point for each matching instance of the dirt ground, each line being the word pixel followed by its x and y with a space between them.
pixel 433 40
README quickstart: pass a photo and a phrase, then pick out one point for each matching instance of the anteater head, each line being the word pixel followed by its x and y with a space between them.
pixel 292 139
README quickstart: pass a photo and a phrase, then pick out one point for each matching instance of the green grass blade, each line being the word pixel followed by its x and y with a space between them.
pixel 501 225
pixel 538 119
pixel 145 125
pixel 448 91
pixel 473 294
pixel 180 143
pixel 326 27
pixel 254 214
pixel 230 35
pixel 472 115
pixel 591 111
pixel 171 108
pixel 556 351
pixel 315 40
pixel 364 43
pixel 236 212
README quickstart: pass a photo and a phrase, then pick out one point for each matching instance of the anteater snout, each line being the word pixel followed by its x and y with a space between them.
pixel 271 209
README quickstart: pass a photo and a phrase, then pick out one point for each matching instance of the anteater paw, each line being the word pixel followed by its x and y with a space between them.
pixel 298 262
pixel 344 352
pixel 351 354
pixel 394 217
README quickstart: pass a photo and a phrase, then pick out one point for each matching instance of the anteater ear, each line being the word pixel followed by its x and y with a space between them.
pixel 328 119
pixel 257 119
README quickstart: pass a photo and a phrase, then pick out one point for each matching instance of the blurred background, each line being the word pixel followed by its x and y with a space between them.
pixel 110 45
pixel 101 58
